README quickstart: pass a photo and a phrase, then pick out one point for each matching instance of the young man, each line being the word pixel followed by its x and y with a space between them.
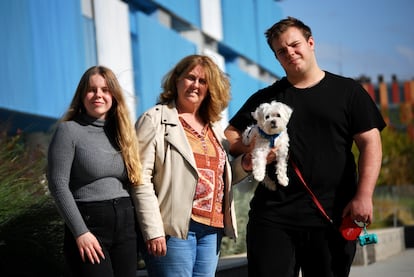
pixel 286 231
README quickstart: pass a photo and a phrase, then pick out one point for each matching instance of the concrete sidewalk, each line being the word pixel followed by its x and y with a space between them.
pixel 400 265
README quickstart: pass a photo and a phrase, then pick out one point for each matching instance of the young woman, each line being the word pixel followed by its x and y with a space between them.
pixel 93 162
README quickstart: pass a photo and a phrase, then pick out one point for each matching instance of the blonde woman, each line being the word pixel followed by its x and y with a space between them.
pixel 93 162
pixel 185 203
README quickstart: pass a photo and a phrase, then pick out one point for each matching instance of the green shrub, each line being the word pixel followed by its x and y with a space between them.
pixel 30 227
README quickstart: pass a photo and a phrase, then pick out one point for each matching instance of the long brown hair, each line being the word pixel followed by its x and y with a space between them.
pixel 218 95
pixel 118 118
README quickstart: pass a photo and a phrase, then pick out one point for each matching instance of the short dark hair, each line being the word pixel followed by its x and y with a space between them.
pixel 280 27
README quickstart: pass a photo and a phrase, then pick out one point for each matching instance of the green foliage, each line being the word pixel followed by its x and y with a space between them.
pixel 22 179
pixel 398 158
pixel 30 227
pixel 393 206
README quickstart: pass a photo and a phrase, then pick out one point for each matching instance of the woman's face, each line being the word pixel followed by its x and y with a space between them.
pixel 192 88
pixel 98 98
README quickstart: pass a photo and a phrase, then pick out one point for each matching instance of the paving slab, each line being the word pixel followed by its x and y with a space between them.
pixel 399 265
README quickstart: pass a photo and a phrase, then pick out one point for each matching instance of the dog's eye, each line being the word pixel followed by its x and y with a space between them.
pixel 278 115
pixel 267 116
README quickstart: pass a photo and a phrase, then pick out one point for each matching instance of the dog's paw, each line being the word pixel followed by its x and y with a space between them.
pixel 246 140
pixel 283 180
pixel 259 169
pixel 258 175
pixel 247 136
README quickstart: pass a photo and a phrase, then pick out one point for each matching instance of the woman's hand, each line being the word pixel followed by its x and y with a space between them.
pixel 90 248
pixel 157 246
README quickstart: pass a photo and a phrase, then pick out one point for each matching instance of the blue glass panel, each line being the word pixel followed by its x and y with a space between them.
pixel 242 87
pixel 186 9
pixel 42 50
pixel 156 50
pixel 239 32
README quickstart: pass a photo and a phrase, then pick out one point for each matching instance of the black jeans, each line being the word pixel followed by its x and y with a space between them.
pixel 278 251
pixel 114 225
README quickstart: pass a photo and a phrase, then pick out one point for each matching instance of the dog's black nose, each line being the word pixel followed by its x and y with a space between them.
pixel 273 124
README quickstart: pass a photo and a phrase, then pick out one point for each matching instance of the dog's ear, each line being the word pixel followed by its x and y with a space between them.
pixel 255 114
pixel 287 111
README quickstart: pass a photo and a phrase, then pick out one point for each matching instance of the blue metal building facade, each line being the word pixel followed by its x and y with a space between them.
pixel 46 45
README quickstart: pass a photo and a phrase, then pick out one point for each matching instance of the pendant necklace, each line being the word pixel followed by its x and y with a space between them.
pixel 201 137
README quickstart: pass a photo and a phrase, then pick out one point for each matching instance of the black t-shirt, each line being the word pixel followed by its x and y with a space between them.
pixel 324 120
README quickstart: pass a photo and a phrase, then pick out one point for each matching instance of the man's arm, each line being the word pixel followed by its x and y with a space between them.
pixel 242 163
pixel 234 137
pixel 369 164
pixel 242 152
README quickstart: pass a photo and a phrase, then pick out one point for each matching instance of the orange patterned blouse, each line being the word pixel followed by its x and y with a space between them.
pixel 210 159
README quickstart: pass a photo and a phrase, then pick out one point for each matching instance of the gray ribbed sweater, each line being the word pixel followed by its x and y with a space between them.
pixel 83 166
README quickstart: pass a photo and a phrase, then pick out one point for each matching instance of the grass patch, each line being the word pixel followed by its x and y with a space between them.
pixel 31 230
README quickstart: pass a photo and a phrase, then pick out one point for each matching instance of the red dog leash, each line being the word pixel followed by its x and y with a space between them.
pixel 315 200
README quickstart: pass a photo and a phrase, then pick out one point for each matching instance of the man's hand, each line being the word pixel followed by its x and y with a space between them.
pixel 247 159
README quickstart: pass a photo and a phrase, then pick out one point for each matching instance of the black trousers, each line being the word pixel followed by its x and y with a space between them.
pixel 114 225
pixel 277 251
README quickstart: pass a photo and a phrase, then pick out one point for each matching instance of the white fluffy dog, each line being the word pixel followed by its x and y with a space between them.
pixel 270 131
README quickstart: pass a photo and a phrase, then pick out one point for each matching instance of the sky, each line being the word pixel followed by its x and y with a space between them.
pixel 360 37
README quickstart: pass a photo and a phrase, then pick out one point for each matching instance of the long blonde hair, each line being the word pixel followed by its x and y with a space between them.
pixel 118 119
pixel 218 96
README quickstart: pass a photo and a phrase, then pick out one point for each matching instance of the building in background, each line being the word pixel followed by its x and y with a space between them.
pixel 46 45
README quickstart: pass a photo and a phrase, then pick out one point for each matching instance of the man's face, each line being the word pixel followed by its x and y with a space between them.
pixel 293 51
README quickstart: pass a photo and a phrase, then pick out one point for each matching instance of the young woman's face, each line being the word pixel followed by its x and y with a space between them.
pixel 192 88
pixel 98 98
